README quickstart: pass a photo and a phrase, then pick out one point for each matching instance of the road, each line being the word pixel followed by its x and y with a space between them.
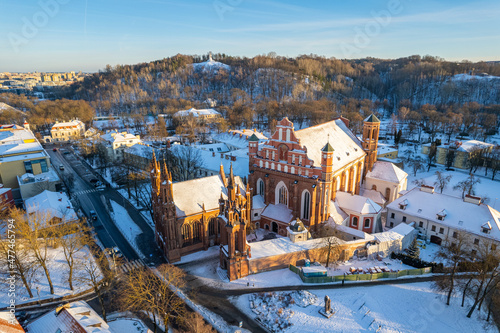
pixel 89 199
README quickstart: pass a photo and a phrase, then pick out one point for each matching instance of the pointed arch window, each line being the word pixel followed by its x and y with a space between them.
pixel 281 194
pixel 260 187
pixel 306 205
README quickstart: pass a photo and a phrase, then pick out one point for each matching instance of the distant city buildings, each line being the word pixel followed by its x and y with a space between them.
pixel 22 82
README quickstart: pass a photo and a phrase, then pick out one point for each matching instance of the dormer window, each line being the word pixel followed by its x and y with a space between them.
pixel 441 215
pixel 486 228
pixel 403 204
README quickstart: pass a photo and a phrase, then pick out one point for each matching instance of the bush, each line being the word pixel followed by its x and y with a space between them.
pixel 414 262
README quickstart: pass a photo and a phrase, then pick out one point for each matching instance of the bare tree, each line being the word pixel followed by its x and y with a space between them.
pixel 488 274
pixel 415 162
pixel 454 252
pixel 15 256
pixel 72 237
pixel 442 180
pixel 467 185
pixel 155 293
pixel 37 235
pixel 188 163
pixel 96 274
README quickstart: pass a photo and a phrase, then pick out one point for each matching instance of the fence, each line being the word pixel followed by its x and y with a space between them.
pixel 360 277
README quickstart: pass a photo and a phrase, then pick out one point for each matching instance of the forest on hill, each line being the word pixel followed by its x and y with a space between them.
pixel 309 89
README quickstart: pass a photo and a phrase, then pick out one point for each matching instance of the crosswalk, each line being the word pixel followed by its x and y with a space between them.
pixel 128 266
pixel 87 191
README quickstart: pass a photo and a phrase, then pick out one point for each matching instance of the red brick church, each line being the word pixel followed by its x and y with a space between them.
pixel 294 175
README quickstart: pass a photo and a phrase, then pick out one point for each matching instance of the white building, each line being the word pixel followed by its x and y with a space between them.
pixel 364 214
pixel 67 130
pixel 386 178
pixel 440 217
pixel 55 207
pixel 117 141
pixel 201 114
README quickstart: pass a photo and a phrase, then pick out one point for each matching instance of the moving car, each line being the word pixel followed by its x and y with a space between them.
pixel 93 215
pixel 61 167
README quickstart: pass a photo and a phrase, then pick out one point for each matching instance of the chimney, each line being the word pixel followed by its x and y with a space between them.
pixel 213 154
pixel 472 199
pixel 427 188
pixel 233 158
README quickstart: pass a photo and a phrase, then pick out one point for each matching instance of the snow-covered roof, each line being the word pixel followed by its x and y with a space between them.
pixel 356 203
pixel 281 245
pixel 78 313
pixel 17 140
pixel 56 204
pixel 238 138
pixel 247 133
pixel 214 147
pixel 117 137
pixel 460 215
pixel 49 176
pixel 196 113
pixel 471 145
pixel 396 233
pixel 73 123
pixel 354 232
pixel 336 213
pixel 258 202
pixel 8 324
pixel 189 196
pixel 376 196
pixel 140 149
pixel 386 171
pixel 278 212
pixel 347 148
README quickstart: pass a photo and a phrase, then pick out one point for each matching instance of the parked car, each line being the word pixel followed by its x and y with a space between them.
pixel 66 152
pixel 54 149
pixel 93 215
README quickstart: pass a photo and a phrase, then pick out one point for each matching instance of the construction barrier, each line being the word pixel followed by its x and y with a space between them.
pixel 360 277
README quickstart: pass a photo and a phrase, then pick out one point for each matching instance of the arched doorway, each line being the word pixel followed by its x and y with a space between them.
pixel 275 227
pixel 436 240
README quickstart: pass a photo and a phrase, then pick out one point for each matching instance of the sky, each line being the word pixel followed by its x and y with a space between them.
pixel 86 35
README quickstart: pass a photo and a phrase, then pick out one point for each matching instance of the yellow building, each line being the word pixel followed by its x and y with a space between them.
pixel 461 152
pixel 74 129
pixel 20 153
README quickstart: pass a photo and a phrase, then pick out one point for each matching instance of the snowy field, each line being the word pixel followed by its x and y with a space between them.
pixel 58 269
pixel 486 188
pixel 387 308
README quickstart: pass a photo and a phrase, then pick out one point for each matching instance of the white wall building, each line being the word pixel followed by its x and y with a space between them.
pixel 440 217
pixel 67 130
pixel 386 178
pixel 117 141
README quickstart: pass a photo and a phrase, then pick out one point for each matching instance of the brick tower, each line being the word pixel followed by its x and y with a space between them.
pixel 371 129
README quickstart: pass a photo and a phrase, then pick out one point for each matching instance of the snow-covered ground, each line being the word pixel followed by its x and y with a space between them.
pixel 486 187
pixel 365 264
pixel 125 325
pixel 58 269
pixel 127 226
pixel 414 307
